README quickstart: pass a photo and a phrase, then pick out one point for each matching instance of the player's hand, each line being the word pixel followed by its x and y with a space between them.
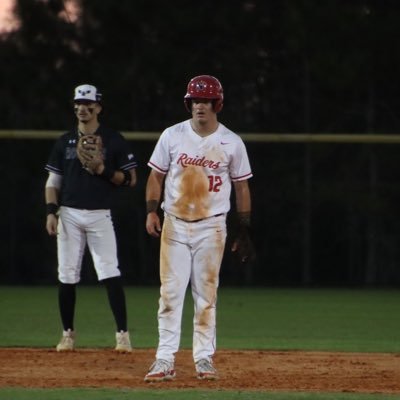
pixel 153 224
pixel 51 224
pixel 243 247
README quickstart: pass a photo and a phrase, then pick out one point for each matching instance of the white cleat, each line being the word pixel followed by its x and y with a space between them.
pixel 67 341
pixel 123 342
pixel 160 370
pixel 205 370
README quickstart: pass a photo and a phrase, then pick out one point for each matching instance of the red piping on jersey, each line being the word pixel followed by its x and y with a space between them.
pixel 238 178
pixel 150 164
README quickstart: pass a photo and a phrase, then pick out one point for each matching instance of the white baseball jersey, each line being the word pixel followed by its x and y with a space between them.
pixel 199 170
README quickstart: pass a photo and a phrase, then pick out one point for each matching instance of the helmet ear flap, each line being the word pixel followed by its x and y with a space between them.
pixel 188 104
pixel 217 105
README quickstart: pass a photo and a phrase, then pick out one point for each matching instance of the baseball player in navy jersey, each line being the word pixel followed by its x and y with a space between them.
pixel 195 162
pixel 78 197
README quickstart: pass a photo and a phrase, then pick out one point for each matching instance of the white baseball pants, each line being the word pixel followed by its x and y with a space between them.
pixel 76 228
pixel 190 252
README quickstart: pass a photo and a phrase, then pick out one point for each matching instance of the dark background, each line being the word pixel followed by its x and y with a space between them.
pixel 324 214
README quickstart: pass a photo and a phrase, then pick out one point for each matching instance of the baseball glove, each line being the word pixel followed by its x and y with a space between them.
pixel 90 152
pixel 243 246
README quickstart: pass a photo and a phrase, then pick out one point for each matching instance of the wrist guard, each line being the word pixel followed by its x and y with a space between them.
pixel 51 208
pixel 151 206
pixel 243 245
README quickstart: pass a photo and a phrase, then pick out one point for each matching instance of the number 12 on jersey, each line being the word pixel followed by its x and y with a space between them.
pixel 215 183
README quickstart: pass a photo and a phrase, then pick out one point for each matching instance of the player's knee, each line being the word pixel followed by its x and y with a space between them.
pixel 106 275
pixel 70 280
pixel 68 276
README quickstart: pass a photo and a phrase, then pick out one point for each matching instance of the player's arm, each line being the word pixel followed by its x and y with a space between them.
pixel 117 177
pixel 243 199
pixel 153 196
pixel 90 154
pixel 52 190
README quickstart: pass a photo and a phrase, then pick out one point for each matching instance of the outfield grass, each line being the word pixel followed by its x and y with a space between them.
pixel 275 319
pixel 106 394
pixel 315 319
pixel 284 319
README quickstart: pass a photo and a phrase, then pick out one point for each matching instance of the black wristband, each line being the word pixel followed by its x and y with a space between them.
pixel 243 218
pixel 107 173
pixel 127 178
pixel 51 208
pixel 151 206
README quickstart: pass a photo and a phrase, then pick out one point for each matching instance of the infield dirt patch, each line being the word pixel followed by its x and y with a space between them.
pixel 238 370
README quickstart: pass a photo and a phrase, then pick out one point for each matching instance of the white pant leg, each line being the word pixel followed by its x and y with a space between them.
pixel 175 265
pixel 102 243
pixel 71 242
pixel 207 252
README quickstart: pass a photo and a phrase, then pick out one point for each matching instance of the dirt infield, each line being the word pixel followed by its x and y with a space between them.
pixel 239 370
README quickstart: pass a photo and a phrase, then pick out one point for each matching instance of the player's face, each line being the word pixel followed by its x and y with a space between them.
pixel 202 110
pixel 86 111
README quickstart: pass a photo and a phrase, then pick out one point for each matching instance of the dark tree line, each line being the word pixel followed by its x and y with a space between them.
pixel 323 213
pixel 286 65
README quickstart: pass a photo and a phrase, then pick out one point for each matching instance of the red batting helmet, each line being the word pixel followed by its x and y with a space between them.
pixel 205 87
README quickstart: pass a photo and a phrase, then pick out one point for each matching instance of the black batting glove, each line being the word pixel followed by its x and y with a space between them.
pixel 242 244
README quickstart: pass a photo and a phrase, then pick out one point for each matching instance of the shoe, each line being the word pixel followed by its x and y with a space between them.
pixel 67 342
pixel 205 370
pixel 123 342
pixel 160 370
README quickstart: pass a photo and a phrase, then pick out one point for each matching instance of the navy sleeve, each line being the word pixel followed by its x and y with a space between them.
pixel 124 158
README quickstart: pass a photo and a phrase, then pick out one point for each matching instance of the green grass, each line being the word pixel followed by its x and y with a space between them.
pixel 310 319
pixel 275 319
pixel 284 319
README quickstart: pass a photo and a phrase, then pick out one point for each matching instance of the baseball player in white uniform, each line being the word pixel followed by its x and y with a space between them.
pixel 195 162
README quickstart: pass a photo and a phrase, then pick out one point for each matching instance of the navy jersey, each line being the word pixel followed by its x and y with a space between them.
pixel 79 188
